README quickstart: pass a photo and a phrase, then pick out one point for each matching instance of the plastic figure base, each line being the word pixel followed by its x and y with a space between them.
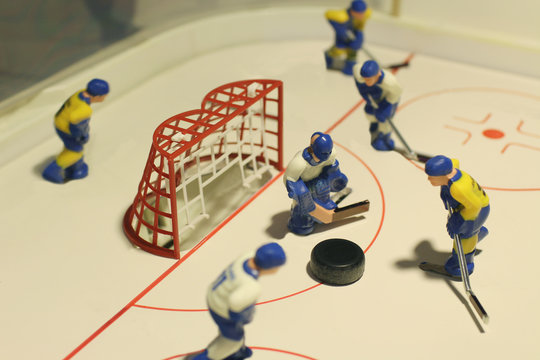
pixel 452 264
pixel 383 142
pixel 337 262
pixel 244 353
pixel 437 269
pixel 54 173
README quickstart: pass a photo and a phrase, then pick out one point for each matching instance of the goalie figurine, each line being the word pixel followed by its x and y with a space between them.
pixel 310 178
pixel 231 301
pixel 72 126
pixel 348 25
pixel 469 208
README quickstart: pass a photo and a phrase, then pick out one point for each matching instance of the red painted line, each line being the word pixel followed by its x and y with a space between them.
pixel 218 228
pixel 282 351
pixel 520 125
pixel 251 347
pixel 383 202
pixel 469 134
pixel 290 295
pixel 518 145
pixel 483 121
pixel 172 268
pixel 383 215
pixel 359 103
pixel 347 114
pixel 203 310
pixel 167 309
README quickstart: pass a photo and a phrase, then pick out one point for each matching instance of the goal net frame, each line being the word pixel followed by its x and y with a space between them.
pixel 239 124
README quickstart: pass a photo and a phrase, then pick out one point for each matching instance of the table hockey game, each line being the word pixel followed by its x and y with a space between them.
pixel 74 287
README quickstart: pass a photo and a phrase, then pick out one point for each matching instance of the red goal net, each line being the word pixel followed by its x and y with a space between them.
pixel 239 126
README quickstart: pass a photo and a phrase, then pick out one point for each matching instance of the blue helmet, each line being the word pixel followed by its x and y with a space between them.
pixel 97 87
pixel 358 6
pixel 369 69
pixel 439 165
pixel 322 146
pixel 269 256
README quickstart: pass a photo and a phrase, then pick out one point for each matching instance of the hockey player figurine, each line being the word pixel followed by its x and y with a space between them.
pixel 381 92
pixel 72 126
pixel 310 177
pixel 469 207
pixel 231 300
pixel 348 25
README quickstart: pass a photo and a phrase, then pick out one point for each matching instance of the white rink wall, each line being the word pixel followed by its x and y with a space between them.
pixel 31 123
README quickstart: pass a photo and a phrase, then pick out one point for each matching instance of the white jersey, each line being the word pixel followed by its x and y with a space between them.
pixel 299 168
pixel 235 289
pixel 391 90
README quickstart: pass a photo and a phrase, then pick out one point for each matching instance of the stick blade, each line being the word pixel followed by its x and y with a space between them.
pixel 351 210
pixel 479 308
pixel 397 66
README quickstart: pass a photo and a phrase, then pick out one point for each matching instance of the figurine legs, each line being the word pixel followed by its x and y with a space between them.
pixel 380 134
pixel 68 165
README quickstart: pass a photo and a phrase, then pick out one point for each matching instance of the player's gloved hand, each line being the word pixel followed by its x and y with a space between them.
pixel 384 111
pixel 80 131
pixel 335 177
pixel 245 316
pixel 369 109
pixel 456 225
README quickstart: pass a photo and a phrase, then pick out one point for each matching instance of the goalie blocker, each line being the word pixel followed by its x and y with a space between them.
pixel 340 213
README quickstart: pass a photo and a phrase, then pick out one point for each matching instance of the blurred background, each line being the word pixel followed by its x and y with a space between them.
pixel 45 41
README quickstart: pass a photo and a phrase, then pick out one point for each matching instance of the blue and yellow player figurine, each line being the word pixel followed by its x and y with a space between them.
pixel 231 301
pixel 469 207
pixel 348 25
pixel 382 93
pixel 310 178
pixel 72 126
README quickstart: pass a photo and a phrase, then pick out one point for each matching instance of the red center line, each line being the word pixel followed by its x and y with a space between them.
pixel 210 235
pixel 171 269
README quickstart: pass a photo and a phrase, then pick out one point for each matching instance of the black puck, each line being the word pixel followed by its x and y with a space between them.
pixel 337 262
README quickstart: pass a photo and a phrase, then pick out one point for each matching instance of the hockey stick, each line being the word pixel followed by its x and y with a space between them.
pixel 391 66
pixel 465 275
pixel 350 210
pixel 409 154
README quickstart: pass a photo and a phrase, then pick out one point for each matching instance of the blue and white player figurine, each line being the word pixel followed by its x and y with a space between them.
pixel 310 178
pixel 72 126
pixel 231 301
pixel 382 93
pixel 469 207
pixel 348 25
